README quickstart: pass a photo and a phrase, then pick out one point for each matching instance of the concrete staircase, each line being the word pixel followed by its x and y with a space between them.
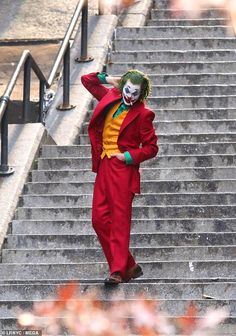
pixel 184 222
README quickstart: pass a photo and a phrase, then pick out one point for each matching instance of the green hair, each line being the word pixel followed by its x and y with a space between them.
pixel 137 77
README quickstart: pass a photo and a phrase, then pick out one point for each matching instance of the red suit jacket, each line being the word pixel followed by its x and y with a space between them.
pixel 136 129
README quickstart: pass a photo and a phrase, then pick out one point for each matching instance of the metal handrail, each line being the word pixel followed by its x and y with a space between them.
pixel 27 61
pixel 8 91
pixel 66 40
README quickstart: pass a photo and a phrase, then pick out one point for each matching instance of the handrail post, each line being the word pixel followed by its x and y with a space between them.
pixel 84 36
pixel 66 82
pixel 5 170
pixel 26 93
pixel 41 98
pixel 84 32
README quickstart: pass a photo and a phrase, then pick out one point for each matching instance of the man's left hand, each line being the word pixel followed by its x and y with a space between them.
pixel 119 156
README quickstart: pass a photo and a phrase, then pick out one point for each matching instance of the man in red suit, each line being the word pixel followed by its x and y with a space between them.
pixel 122 136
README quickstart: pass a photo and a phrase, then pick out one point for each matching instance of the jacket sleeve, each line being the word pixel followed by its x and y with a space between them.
pixel 148 137
pixel 92 83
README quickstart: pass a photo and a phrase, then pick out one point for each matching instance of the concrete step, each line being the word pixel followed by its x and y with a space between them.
pixel 187 43
pixel 160 161
pixel 83 138
pixel 226 329
pixel 98 271
pixel 188 126
pixel 146 187
pixel 49 241
pixel 173 67
pixel 187 22
pixel 173 102
pixel 213 13
pixel 170 31
pixel 101 281
pixel 179 306
pixel 84 226
pixel 173 55
pixel 174 211
pixel 187 291
pixel 191 78
pixel 140 200
pixel 194 78
pixel 182 148
pixel 191 115
pixel 193 90
pixel 185 114
pixel 196 114
pixel 177 174
pixel 161 4
pixel 164 304
pixel 68 255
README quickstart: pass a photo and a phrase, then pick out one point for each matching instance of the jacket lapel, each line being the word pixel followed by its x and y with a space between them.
pixel 112 96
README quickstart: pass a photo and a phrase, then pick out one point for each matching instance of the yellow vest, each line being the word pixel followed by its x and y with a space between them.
pixel 111 131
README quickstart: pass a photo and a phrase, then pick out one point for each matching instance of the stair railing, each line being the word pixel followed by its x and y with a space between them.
pixel 27 63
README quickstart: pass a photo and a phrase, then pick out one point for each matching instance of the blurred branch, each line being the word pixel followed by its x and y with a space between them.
pixel 194 8
pixel 115 6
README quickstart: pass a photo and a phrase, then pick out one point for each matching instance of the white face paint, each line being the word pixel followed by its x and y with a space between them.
pixel 131 92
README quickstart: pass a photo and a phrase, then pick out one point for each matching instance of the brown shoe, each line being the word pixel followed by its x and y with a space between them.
pixel 133 273
pixel 114 279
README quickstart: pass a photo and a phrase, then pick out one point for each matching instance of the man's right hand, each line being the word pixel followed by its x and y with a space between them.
pixel 113 81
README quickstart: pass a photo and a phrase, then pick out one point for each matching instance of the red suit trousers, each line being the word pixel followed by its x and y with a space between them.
pixel 111 212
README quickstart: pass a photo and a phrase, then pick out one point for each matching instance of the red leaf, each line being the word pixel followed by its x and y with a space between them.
pixel 66 292
pixel 188 322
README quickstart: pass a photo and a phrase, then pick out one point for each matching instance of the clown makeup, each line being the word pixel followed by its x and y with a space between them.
pixel 131 92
